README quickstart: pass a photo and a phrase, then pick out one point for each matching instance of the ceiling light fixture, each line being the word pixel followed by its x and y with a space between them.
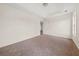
pixel 65 10
pixel 45 4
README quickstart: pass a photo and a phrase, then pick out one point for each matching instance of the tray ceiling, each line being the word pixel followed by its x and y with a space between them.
pixel 49 9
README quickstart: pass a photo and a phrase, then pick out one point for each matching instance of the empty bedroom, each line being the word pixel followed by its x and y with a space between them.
pixel 39 29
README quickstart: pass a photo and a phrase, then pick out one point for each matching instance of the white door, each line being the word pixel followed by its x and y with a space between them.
pixel 75 26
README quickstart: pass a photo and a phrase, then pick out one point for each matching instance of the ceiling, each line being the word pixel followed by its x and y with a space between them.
pixel 44 11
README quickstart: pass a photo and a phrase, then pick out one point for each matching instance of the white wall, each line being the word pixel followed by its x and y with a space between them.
pixel 58 26
pixel 76 39
pixel 16 25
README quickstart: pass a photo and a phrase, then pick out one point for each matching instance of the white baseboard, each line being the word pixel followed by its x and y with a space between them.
pixel 60 35
pixel 76 41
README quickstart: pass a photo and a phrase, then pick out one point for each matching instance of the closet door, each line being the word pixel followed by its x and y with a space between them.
pixel 75 26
